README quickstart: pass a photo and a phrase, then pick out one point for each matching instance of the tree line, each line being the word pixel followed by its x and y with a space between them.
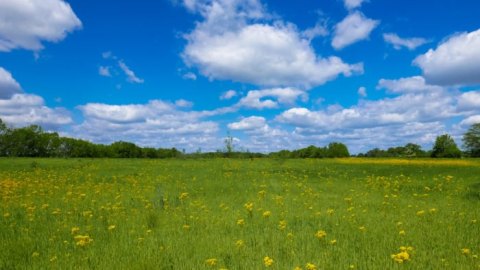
pixel 33 141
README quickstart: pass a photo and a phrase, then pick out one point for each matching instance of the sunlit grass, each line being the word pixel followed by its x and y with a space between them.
pixel 239 214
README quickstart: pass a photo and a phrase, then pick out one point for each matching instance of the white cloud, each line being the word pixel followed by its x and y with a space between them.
pixel 407 85
pixel 104 71
pixel 182 103
pixel 271 98
pixel 249 123
pixel 469 101
pixel 189 76
pixel 131 77
pixel 156 123
pixel 474 119
pixel 355 27
pixel 398 42
pixel 456 61
pixel 8 85
pixel 27 109
pixel 228 95
pixel 26 23
pixel 352 4
pixel 408 108
pixel 229 45
pixel 362 91
pixel 319 30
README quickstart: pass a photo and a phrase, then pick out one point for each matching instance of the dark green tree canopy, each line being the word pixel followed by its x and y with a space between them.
pixel 445 147
pixel 471 140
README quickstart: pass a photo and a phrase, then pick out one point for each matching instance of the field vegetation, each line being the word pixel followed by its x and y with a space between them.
pixel 239 214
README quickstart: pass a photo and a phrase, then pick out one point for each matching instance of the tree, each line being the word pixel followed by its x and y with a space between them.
pixel 229 147
pixel 336 149
pixel 471 140
pixel 445 147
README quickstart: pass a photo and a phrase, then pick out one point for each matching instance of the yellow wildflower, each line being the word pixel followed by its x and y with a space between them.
pixel 362 228
pixel 82 240
pixel 186 227
pixel 310 266
pixel 211 262
pixel 330 211
pixel 75 230
pixel 267 214
pixel 111 227
pixel 403 255
pixel 249 206
pixel 282 225
pixel 402 232
pixel 465 251
pixel 183 196
pixel 241 222
pixel 240 243
pixel 333 242
pixel 320 234
pixel 297 268
pixel 421 213
pixel 267 261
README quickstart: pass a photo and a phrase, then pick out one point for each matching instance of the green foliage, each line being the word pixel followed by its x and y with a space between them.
pixel 445 147
pixel 471 140
pixel 333 150
pixel 410 150
pixel 32 141
pixel 336 149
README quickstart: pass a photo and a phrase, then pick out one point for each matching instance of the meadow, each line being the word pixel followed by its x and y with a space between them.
pixel 239 214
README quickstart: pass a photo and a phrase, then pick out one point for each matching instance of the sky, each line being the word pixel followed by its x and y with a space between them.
pixel 271 74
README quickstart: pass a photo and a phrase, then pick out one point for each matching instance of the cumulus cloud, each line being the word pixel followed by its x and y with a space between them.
pixel 474 119
pixel 228 95
pixel 230 44
pixel 271 98
pixel 355 27
pixel 398 42
pixel 407 85
pixel 156 123
pixel 104 71
pixel 407 108
pixel 189 76
pixel 8 85
pixel 26 109
pixel 362 91
pixel 352 4
pixel 455 61
pixel 319 30
pixel 248 123
pixel 469 101
pixel 182 103
pixel 26 24
pixel 131 77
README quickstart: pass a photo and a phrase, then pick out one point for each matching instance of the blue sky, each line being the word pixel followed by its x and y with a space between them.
pixel 273 74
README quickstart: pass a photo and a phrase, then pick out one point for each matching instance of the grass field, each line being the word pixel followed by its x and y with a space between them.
pixel 239 214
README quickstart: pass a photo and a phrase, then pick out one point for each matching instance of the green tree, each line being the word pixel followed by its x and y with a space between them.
pixel 336 149
pixel 471 140
pixel 445 147
pixel 229 147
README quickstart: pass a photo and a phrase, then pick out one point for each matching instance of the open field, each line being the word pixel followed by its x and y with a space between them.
pixel 239 214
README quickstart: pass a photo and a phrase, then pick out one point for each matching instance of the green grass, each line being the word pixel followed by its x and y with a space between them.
pixel 363 206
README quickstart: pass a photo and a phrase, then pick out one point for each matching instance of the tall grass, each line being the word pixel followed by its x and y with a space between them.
pixel 233 214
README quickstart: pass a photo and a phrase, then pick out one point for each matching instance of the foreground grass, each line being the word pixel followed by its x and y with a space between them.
pixel 213 214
